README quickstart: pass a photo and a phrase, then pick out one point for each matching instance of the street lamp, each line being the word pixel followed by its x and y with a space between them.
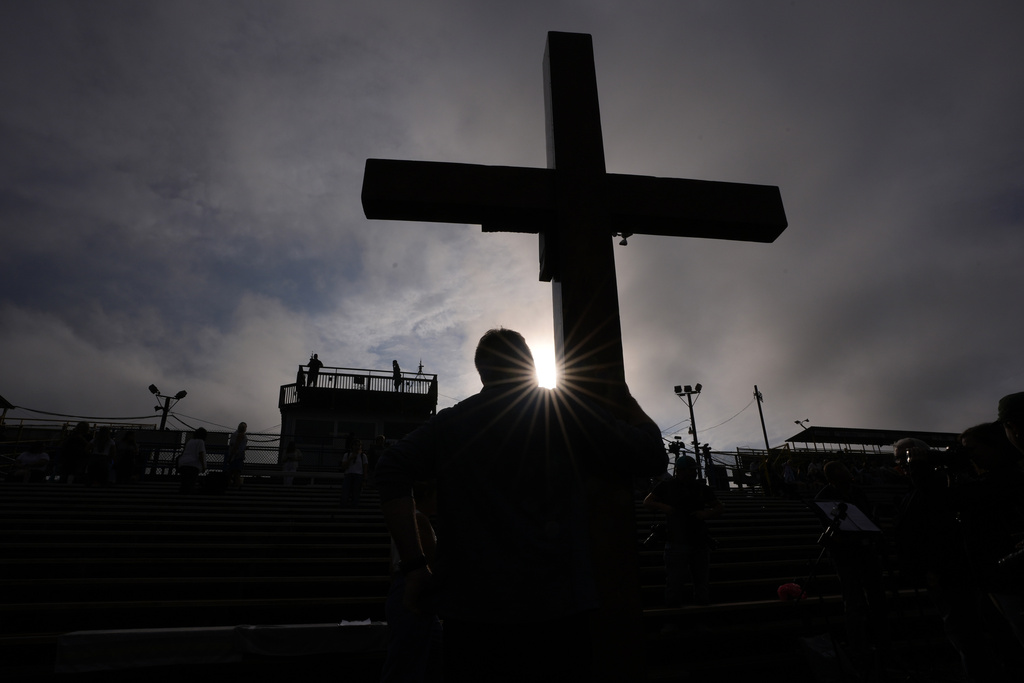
pixel 166 407
pixel 689 392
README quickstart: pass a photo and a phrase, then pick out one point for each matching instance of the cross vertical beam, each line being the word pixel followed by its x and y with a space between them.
pixel 588 331
pixel 576 252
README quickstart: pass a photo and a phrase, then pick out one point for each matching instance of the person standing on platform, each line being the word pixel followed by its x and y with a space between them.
pixel 314 370
pixel 127 454
pixel 192 461
pixel 74 454
pixel 101 457
pixel 353 464
pixel 292 456
pixel 32 464
pixel 235 460
pixel 396 375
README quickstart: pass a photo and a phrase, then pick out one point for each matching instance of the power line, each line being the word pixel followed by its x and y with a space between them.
pixel 675 425
pixel 707 429
pixel 182 422
pixel 199 419
pixel 85 417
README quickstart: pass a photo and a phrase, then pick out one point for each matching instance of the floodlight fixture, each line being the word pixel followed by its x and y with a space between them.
pixel 686 393
pixel 166 407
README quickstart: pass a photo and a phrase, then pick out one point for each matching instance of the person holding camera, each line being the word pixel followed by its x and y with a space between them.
pixel 688 502
pixel 855 555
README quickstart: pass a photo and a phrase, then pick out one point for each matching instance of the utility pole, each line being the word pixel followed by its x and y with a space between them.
pixel 759 397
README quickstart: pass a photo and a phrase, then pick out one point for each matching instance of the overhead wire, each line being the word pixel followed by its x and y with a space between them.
pixel 707 429
pixel 675 425
pixel 172 415
pixel 199 419
pixel 84 417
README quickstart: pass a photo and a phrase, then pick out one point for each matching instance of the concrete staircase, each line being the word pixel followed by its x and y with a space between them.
pixel 142 556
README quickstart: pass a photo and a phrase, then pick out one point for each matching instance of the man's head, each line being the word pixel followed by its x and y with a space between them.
pixel 837 475
pixel 989 448
pixel 686 467
pixel 1011 416
pixel 504 358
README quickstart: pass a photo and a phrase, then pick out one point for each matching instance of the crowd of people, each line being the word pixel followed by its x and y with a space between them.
pixel 92 457
pixel 102 456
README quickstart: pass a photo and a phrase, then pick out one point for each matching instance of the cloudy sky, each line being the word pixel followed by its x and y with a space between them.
pixel 179 201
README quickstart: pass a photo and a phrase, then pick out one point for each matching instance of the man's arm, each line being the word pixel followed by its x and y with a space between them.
pixel 400 518
pixel 715 510
pixel 651 502
pixel 409 460
pixel 621 404
pixel 648 456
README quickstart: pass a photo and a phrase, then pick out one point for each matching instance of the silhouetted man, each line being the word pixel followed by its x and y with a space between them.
pixel 396 375
pixel 314 370
pixel 514 578
pixel 1011 416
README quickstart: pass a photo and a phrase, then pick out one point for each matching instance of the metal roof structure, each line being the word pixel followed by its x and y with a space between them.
pixel 859 438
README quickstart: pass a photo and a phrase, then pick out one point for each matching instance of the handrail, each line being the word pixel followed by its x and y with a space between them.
pixel 366 379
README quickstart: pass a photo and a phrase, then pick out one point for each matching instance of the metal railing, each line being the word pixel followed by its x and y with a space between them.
pixel 158 451
pixel 359 379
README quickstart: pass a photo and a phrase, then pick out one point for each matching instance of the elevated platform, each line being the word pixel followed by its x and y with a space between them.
pixel 360 390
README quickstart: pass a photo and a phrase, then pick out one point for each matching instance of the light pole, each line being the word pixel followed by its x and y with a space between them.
pixel 166 407
pixel 689 392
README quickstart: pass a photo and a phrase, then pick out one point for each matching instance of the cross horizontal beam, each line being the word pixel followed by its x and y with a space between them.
pixel 515 199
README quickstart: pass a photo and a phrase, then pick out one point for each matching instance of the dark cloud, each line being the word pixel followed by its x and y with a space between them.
pixel 180 183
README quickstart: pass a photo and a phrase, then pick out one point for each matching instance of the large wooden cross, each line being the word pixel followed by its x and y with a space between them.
pixel 577 207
